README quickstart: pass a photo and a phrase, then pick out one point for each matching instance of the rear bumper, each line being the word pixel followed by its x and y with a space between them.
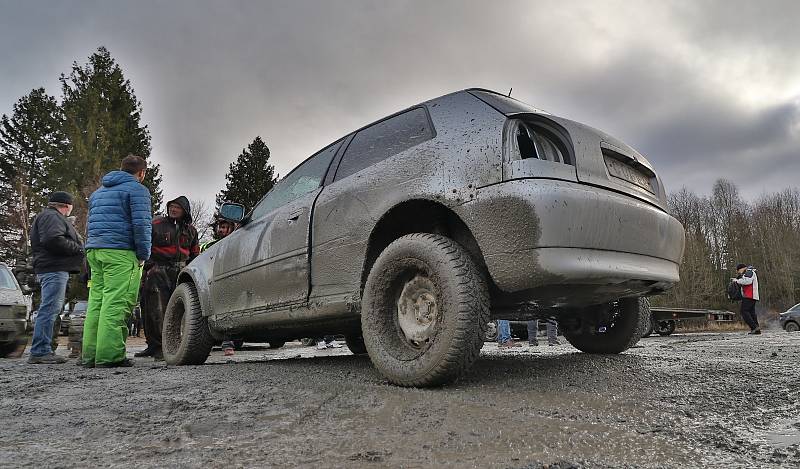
pixel 10 329
pixel 535 234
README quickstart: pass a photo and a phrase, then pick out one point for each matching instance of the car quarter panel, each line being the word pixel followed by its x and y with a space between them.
pixel 514 222
pixel 465 154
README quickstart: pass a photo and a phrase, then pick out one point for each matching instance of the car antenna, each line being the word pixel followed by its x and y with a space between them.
pixel 509 91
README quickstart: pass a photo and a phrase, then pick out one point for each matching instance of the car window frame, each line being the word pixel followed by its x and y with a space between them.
pixel 351 137
pixel 322 181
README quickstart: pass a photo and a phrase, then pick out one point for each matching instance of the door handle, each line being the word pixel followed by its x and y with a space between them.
pixel 294 215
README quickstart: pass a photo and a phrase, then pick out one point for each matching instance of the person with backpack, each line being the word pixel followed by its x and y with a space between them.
pixel 747 280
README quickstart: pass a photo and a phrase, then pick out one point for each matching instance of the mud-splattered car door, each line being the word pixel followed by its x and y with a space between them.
pixel 267 264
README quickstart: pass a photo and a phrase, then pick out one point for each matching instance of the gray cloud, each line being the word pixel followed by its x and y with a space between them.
pixel 703 88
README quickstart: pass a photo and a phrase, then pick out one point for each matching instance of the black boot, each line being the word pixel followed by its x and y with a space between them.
pixel 148 352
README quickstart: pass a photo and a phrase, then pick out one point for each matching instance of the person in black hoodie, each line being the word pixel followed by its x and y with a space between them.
pixel 175 244
pixel 57 252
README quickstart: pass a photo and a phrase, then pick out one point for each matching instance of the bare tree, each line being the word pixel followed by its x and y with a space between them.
pixel 203 217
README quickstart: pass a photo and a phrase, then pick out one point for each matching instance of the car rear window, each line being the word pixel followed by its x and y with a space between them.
pixel 7 280
pixel 533 141
pixel 384 139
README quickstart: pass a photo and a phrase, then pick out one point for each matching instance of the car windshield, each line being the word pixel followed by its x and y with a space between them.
pixel 80 307
pixel 6 279
pixel 795 307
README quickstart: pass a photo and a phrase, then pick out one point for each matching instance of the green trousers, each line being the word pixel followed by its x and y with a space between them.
pixel 115 287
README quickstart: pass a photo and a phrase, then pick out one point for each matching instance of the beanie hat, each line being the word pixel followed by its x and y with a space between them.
pixel 61 197
pixel 740 266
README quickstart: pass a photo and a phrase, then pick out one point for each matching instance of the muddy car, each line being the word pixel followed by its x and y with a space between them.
pixel 790 319
pixel 410 234
pixel 13 312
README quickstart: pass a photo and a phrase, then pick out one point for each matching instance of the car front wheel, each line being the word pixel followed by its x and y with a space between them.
pixel 424 311
pixel 792 327
pixel 611 328
pixel 186 337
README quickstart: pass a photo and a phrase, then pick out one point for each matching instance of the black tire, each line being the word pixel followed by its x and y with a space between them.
pixel 238 344
pixel 186 339
pixel 665 328
pixel 422 267
pixel 8 348
pixel 277 344
pixel 791 326
pixel 491 332
pixel 618 330
pixel 355 342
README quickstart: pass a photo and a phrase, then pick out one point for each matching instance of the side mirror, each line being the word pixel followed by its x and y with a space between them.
pixel 232 211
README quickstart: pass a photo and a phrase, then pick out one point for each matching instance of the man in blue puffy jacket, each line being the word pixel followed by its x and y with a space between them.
pixel 119 241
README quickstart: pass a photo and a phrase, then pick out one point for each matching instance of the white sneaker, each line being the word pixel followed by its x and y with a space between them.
pixel 321 345
pixel 334 344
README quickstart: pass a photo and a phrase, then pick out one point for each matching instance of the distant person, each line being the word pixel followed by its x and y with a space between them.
pixel 57 252
pixel 222 227
pixel 119 243
pixel 504 339
pixel 175 244
pixel 552 332
pixel 746 277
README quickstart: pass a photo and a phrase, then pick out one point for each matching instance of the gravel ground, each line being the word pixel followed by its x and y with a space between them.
pixel 690 400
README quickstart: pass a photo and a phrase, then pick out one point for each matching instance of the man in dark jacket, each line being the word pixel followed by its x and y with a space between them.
pixel 119 242
pixel 175 244
pixel 57 252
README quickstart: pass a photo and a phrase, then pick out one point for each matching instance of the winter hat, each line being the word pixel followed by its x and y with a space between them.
pixel 61 197
pixel 740 266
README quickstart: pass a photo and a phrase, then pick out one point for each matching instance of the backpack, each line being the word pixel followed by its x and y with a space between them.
pixel 734 291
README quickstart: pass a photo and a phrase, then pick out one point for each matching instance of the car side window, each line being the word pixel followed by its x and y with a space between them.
pixel 384 139
pixel 302 180
pixel 6 279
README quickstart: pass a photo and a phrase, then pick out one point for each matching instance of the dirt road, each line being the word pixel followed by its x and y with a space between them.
pixel 710 400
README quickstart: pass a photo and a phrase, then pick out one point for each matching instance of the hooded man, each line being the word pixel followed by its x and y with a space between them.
pixel 119 242
pixel 748 280
pixel 175 244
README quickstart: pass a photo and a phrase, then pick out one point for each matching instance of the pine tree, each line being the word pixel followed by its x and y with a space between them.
pixel 249 177
pixel 31 141
pixel 103 124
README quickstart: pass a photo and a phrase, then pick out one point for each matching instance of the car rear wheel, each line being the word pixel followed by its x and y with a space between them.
pixel 186 337
pixel 611 328
pixel 424 311
pixel 792 327
pixel 277 344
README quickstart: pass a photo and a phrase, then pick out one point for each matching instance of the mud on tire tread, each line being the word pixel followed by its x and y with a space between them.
pixel 464 312
pixel 193 345
pixel 629 327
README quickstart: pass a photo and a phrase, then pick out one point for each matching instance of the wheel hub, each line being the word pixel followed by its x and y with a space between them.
pixel 418 311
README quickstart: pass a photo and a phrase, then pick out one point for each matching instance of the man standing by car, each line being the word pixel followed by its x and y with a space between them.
pixel 119 242
pixel 57 252
pixel 222 227
pixel 746 278
pixel 175 244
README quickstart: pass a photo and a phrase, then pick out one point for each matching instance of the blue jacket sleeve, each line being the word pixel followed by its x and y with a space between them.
pixel 142 219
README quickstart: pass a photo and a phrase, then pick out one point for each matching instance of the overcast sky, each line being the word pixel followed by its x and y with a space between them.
pixel 705 89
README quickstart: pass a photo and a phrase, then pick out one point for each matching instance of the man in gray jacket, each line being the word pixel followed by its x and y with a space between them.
pixel 57 252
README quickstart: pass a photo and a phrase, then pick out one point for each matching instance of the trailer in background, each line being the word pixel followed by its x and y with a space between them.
pixel 664 320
